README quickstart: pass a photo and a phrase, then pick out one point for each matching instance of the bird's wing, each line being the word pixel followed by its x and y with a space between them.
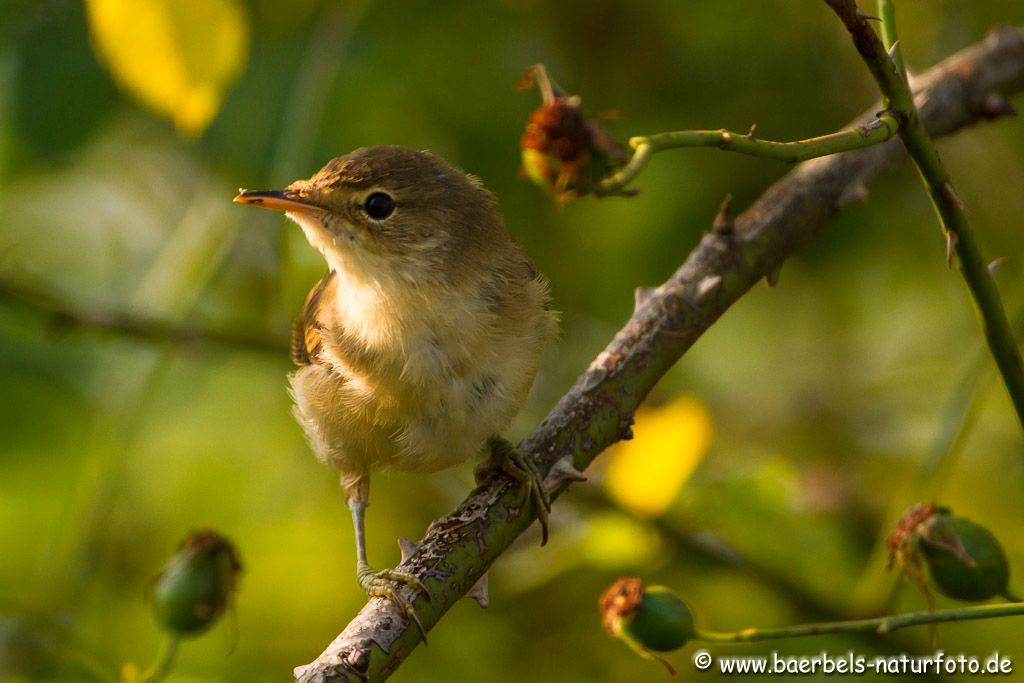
pixel 306 339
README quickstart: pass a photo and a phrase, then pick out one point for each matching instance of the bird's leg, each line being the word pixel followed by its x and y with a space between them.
pixel 507 458
pixel 379 583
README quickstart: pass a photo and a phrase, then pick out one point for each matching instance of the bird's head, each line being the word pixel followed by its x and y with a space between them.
pixel 392 208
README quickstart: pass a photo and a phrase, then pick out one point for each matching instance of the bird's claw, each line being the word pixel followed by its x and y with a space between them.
pixel 381 583
pixel 517 465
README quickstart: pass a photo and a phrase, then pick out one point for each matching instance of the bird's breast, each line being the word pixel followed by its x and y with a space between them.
pixel 413 385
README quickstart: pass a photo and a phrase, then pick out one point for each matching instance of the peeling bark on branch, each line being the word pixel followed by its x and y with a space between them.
pixel 597 411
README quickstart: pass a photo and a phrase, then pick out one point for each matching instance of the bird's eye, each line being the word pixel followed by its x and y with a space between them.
pixel 379 205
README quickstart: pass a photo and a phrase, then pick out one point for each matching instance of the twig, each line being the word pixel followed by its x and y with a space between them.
pixel 859 136
pixel 876 625
pixel 164 661
pixel 64 314
pixel 937 180
pixel 888 19
pixel 597 411
pixel 703 549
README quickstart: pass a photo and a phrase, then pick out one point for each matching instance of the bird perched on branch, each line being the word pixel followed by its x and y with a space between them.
pixel 419 345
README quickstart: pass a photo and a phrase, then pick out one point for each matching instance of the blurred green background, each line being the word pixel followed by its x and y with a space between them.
pixel 822 407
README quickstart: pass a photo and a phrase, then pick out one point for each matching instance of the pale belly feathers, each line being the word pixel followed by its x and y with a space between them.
pixel 419 409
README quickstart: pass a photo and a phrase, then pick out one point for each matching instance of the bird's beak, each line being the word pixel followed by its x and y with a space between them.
pixel 280 200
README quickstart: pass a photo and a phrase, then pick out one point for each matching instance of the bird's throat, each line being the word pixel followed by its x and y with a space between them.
pixel 376 298
pixel 319 237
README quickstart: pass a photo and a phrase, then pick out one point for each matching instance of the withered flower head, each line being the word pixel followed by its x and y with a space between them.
pixel 648 619
pixel 965 561
pixel 563 150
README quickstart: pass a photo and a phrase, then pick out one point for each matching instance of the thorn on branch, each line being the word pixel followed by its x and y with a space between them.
pixel 707 286
pixel 951 241
pixel 994 265
pixel 561 474
pixel 772 278
pixel 595 375
pixel 407 548
pixel 641 295
pixel 952 197
pixel 480 592
pixel 724 224
pixel 853 194
pixel 750 133
pixel 867 17
pixel 893 49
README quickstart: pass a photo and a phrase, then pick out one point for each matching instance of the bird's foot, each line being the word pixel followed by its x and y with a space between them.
pixel 383 583
pixel 507 458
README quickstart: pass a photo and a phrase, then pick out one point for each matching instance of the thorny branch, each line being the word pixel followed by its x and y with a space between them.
pixel 596 412
pixel 863 135
pixel 884 66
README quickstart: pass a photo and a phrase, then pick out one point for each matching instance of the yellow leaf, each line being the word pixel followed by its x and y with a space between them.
pixel 645 474
pixel 176 56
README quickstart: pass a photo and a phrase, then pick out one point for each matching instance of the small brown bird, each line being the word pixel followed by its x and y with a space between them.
pixel 419 345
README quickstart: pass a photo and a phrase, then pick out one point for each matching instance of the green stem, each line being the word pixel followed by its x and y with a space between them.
pixel 887 11
pixel 987 301
pixel 951 213
pixel 881 129
pixel 877 625
pixel 164 661
pixel 950 210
